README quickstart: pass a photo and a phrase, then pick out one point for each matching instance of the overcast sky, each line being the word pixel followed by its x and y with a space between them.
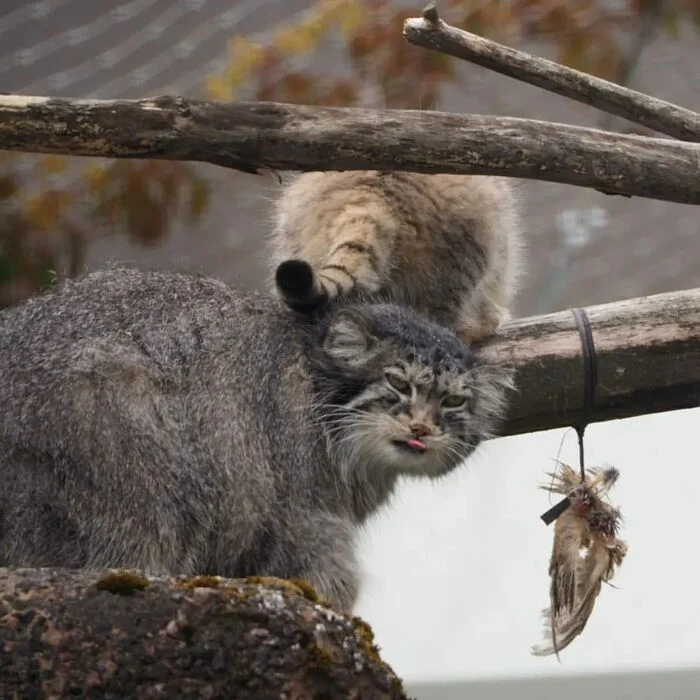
pixel 456 571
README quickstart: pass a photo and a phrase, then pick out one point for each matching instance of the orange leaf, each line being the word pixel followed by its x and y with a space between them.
pixel 52 164
pixel 671 25
pixel 292 41
pixel 217 88
pixel 352 18
pixel 199 199
pixel 240 47
pixel 95 177
pixel 236 74
pixel 44 210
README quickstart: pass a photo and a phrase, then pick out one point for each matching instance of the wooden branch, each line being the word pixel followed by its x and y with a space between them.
pixel 78 634
pixel 431 32
pixel 251 136
pixel 648 352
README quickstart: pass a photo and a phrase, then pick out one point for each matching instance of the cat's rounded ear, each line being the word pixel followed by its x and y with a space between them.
pixel 349 339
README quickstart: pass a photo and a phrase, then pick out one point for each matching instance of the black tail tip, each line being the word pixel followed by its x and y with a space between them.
pixel 296 282
pixel 295 279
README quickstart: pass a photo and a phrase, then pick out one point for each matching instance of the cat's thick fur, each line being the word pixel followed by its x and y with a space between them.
pixel 167 422
pixel 447 245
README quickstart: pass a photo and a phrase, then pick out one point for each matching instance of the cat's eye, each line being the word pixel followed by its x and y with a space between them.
pixel 401 385
pixel 454 401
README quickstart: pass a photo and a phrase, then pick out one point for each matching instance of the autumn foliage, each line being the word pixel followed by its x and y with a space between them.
pixel 52 207
pixel 51 211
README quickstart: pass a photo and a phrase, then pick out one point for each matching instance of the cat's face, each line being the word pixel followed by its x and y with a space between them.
pixel 409 396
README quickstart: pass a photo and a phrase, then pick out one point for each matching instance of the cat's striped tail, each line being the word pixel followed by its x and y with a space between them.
pixel 352 267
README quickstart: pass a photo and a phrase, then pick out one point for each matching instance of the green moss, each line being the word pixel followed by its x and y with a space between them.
pixel 319 658
pixel 268 581
pixel 124 582
pixel 200 582
pixel 306 589
pixel 397 687
pixel 365 636
pixel 293 587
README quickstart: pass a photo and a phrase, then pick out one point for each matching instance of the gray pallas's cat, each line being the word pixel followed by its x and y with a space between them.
pixel 167 422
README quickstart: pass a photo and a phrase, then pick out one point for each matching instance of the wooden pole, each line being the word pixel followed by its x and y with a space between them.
pixel 255 135
pixel 648 357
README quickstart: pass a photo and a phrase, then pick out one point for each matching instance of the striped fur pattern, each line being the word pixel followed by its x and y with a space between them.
pixel 446 245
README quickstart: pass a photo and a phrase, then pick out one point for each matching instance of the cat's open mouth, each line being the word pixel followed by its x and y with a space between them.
pixel 411 445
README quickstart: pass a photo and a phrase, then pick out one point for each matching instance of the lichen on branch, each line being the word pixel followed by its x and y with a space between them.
pixel 124 634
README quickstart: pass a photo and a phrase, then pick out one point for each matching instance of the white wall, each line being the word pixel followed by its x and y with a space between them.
pixel 456 571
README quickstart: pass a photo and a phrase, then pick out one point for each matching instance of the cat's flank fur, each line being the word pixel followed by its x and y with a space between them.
pixel 447 245
pixel 167 422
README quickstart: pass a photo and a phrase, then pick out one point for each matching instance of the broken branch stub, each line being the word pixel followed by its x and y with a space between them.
pixel 431 32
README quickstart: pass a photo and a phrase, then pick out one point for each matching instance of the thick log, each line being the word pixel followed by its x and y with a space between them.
pixel 123 635
pixel 252 136
pixel 431 32
pixel 648 356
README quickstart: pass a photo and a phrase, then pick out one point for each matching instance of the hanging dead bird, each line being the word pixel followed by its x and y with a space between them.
pixel 585 553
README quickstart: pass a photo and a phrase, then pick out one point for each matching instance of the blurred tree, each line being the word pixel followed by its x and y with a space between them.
pixel 597 36
pixel 46 224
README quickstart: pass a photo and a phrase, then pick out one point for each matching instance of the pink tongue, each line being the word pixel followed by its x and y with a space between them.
pixel 415 444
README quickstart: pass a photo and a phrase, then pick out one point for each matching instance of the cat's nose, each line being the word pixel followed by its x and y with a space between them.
pixel 420 429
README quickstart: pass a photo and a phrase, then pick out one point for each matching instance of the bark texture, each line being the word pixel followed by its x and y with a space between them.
pixel 251 136
pixel 648 356
pixel 123 635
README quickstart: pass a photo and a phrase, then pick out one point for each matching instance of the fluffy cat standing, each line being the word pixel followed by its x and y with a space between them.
pixel 167 422
pixel 446 245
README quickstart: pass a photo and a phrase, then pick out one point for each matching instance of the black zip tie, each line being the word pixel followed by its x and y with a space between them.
pixel 590 381
pixel 555 511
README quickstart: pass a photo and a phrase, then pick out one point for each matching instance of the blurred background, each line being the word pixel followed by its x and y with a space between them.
pixel 456 572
